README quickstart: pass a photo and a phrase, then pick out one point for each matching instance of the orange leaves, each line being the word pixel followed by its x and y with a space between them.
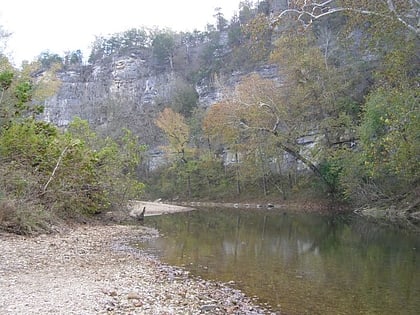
pixel 222 122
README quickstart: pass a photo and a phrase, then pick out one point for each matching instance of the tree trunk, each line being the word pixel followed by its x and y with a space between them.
pixel 189 186
pixel 305 161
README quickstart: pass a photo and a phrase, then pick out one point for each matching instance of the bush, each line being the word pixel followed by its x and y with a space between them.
pixel 21 217
pixel 45 173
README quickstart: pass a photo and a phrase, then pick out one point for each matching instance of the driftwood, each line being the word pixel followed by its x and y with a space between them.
pixel 140 216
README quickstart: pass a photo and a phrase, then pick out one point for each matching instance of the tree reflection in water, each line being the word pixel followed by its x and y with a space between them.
pixel 298 263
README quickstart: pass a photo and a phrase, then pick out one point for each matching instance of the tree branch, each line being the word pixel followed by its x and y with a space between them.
pixel 55 169
pixel 295 153
pixel 320 10
pixel 272 110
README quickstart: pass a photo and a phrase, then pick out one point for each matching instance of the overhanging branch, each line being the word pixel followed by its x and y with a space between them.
pixel 311 12
pixel 295 153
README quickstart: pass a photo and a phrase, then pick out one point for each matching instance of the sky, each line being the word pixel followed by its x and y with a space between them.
pixel 58 26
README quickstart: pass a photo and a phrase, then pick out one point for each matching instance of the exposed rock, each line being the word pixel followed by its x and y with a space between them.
pixel 133 296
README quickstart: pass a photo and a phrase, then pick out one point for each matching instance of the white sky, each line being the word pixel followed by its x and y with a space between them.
pixel 59 26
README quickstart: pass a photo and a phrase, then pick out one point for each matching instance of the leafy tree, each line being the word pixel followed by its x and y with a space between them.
pixel 384 127
pixel 163 44
pixel 245 12
pixel 258 38
pixel 22 93
pixel 48 59
pixel 73 58
pixel 184 98
pixel 176 131
pixel 116 162
pixel 178 134
pixel 130 40
pixel 221 22
pixel 387 163
pixel 264 7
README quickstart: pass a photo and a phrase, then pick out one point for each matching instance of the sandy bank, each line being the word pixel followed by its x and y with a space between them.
pixel 155 208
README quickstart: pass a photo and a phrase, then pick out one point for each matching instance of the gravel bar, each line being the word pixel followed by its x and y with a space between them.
pixel 91 269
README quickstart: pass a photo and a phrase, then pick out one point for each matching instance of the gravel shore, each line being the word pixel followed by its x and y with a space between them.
pixel 92 269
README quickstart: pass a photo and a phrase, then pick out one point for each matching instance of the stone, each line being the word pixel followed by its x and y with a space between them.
pixel 133 296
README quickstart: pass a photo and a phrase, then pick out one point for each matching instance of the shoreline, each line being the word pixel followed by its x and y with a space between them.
pixel 92 269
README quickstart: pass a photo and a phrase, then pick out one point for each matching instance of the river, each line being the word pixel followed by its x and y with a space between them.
pixel 296 263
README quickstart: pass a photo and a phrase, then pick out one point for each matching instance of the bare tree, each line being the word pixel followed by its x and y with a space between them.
pixel 406 12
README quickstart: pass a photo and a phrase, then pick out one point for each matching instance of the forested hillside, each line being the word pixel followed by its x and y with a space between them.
pixel 288 100
pixel 340 119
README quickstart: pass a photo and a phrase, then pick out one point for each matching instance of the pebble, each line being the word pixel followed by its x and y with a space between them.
pixel 93 270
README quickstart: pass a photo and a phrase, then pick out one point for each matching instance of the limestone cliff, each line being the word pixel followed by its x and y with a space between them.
pixel 122 90
pixel 127 91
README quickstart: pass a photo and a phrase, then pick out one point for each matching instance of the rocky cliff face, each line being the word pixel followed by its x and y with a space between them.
pixel 122 90
pixel 130 78
pixel 127 92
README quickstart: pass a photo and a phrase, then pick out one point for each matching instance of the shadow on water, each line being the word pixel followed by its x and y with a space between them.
pixel 299 264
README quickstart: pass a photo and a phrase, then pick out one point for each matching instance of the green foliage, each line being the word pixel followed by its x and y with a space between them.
pixel 185 99
pixel 258 38
pixel 163 45
pixel 27 143
pixel 390 133
pixel 47 174
pixel 23 93
pixel 6 78
pixel 73 58
pixel 331 171
pixel 115 163
pixel 48 59
pixel 119 43
pixel 62 174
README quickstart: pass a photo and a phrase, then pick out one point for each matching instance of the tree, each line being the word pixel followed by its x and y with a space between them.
pixel 221 22
pixel 404 12
pixel 258 107
pixel 245 12
pixel 48 59
pixel 381 123
pixel 390 133
pixel 22 92
pixel 184 165
pixel 183 97
pixel 163 44
pixel 258 38
pixel 117 166
pixel 73 58
pixel 176 130
pixel 130 40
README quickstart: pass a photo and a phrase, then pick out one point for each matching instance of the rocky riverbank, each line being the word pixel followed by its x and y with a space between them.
pixel 92 269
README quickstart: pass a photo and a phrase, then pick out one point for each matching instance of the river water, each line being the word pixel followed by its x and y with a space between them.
pixel 296 263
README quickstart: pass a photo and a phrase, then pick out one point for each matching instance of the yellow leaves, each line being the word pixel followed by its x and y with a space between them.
pixel 258 31
pixel 175 128
pixel 255 104
pixel 221 121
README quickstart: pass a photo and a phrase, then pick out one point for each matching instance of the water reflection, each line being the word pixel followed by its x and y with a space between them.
pixel 301 264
